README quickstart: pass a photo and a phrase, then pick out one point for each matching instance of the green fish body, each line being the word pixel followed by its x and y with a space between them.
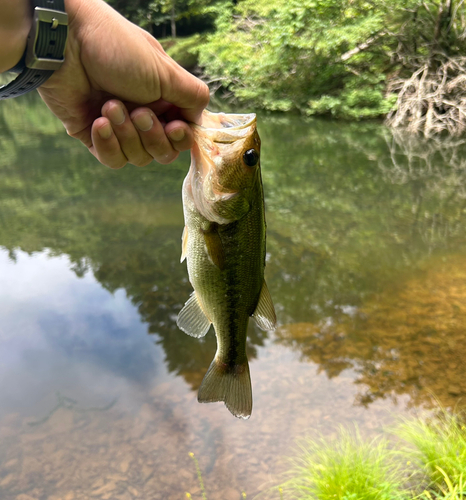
pixel 224 245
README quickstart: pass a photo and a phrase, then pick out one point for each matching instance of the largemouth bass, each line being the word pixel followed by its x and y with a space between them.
pixel 224 245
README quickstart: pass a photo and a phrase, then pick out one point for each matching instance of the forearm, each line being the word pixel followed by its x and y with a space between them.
pixel 15 23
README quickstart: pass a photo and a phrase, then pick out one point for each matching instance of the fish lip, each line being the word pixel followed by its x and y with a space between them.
pixel 213 122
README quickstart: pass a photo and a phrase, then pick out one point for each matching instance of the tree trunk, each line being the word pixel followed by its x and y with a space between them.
pixel 172 20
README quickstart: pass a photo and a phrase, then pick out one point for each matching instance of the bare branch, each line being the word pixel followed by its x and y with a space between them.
pixel 362 46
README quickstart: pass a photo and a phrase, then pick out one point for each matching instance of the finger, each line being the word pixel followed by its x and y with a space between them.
pixel 126 133
pixel 180 135
pixel 152 136
pixel 186 91
pixel 105 146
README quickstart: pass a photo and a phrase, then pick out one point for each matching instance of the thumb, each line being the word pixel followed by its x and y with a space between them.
pixel 184 90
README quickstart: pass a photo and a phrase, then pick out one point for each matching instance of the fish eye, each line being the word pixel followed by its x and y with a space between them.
pixel 251 157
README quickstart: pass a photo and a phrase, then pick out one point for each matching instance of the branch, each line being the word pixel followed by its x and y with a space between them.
pixel 362 46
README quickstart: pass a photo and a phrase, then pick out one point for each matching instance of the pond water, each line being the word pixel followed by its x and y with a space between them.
pixel 366 264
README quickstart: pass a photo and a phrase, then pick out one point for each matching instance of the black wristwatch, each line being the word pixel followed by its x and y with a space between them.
pixel 45 49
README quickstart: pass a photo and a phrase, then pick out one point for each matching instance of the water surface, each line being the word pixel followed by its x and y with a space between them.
pixel 366 264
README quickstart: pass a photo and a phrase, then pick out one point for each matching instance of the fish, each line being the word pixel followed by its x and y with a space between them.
pixel 223 243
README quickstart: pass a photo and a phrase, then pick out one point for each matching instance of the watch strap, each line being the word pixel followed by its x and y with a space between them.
pixel 44 51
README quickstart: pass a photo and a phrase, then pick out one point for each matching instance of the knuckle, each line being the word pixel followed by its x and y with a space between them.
pixel 138 158
pixel 114 163
pixel 157 150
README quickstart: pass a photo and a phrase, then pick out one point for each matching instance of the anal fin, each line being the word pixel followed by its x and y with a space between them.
pixel 265 312
pixel 230 384
pixel 192 319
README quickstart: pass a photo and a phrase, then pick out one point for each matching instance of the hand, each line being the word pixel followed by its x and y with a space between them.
pixel 118 91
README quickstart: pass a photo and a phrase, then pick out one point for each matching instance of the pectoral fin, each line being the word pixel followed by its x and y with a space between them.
pixel 192 319
pixel 214 246
pixel 265 312
pixel 184 243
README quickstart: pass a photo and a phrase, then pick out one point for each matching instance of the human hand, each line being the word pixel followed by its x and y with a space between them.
pixel 119 93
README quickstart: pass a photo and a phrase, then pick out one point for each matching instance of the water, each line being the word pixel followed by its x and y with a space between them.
pixel 366 264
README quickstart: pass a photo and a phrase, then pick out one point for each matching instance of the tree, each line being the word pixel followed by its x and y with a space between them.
pixel 164 17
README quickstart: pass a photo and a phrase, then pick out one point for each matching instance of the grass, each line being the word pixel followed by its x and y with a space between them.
pixel 346 468
pixel 428 464
pixel 438 448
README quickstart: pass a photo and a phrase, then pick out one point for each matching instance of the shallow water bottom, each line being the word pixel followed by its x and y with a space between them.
pixel 145 454
pixel 73 428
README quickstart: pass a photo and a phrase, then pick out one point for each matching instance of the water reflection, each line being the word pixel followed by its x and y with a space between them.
pixel 352 210
pixel 407 339
pixel 366 243
pixel 369 258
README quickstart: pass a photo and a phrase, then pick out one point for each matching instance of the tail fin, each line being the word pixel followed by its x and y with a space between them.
pixel 231 384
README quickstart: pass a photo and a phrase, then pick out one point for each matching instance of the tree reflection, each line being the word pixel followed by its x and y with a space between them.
pixel 123 226
pixel 388 299
pixel 408 339
pixel 366 234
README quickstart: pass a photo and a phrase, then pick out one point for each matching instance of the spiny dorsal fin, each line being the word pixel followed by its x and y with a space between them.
pixel 214 245
pixel 231 384
pixel 184 243
pixel 265 312
pixel 192 319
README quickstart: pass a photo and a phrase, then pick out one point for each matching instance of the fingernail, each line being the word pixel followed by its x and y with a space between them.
pixel 177 134
pixel 105 132
pixel 143 121
pixel 116 115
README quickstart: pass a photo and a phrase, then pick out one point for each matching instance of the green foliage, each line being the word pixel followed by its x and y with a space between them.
pixel 185 51
pixel 362 97
pixel 346 468
pixel 291 56
pixel 350 468
pixel 439 448
pixel 157 16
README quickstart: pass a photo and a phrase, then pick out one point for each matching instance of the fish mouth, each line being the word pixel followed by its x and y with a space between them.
pixel 219 134
pixel 224 128
pixel 232 121
pixel 217 137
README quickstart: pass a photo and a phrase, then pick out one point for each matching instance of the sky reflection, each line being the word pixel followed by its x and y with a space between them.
pixel 68 334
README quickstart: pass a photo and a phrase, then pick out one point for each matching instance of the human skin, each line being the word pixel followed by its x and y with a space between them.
pixel 118 92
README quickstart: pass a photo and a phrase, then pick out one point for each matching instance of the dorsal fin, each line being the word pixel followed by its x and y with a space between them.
pixel 265 312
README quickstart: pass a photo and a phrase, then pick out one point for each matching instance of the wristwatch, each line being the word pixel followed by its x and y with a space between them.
pixel 45 48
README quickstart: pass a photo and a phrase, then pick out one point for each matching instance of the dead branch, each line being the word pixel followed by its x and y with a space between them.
pixel 432 101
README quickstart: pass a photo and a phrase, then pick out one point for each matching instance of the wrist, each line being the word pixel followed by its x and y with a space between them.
pixel 15 24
